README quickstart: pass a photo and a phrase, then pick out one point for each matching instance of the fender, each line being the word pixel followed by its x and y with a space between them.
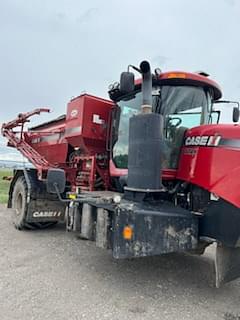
pixel 228 187
pixel 41 205
pixel 210 158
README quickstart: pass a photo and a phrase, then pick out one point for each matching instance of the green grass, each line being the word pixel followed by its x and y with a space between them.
pixel 4 185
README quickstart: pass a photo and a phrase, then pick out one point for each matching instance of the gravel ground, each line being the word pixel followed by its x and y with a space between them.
pixel 51 275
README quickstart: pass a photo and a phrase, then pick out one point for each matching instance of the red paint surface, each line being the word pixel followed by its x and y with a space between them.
pixel 89 135
pixel 167 174
pixel 216 169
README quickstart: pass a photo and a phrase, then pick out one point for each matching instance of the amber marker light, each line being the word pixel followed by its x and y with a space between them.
pixel 127 233
pixel 177 75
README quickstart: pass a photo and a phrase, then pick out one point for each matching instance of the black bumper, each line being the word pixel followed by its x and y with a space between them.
pixel 156 229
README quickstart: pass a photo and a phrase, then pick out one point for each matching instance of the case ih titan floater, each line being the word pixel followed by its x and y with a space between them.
pixel 147 173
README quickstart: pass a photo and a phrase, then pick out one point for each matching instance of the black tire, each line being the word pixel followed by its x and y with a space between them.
pixel 19 203
pixel 20 206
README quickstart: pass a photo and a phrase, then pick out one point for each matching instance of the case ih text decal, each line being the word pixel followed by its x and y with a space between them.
pixel 211 141
pixel 37 214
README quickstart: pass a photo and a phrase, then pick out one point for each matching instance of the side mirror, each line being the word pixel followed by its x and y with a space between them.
pixel 236 114
pixel 127 82
pixel 56 181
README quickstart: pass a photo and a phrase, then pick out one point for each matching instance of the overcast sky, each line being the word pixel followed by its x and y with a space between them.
pixel 52 50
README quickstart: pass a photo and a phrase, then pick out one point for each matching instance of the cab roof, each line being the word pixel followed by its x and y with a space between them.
pixel 192 78
pixel 177 78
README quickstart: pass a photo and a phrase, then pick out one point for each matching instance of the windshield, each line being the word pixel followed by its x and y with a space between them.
pixel 191 104
pixel 183 106
pixel 181 98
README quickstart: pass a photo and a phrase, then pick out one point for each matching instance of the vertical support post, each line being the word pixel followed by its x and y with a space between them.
pixel 102 228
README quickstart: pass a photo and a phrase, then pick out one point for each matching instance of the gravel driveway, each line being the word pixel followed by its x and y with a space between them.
pixel 51 275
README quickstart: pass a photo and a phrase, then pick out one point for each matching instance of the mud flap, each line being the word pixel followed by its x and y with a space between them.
pixel 227 264
pixel 45 210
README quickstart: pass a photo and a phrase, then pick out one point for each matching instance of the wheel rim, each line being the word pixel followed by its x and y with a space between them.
pixel 19 204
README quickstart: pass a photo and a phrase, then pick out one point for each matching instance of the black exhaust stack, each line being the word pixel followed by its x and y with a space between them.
pixel 145 141
pixel 146 87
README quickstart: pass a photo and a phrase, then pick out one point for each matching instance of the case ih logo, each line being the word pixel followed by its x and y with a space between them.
pixel 40 214
pixel 210 141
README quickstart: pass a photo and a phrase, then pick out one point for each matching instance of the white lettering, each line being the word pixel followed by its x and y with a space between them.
pixel 201 141
pixel 204 140
pixel 97 119
pixel 37 214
